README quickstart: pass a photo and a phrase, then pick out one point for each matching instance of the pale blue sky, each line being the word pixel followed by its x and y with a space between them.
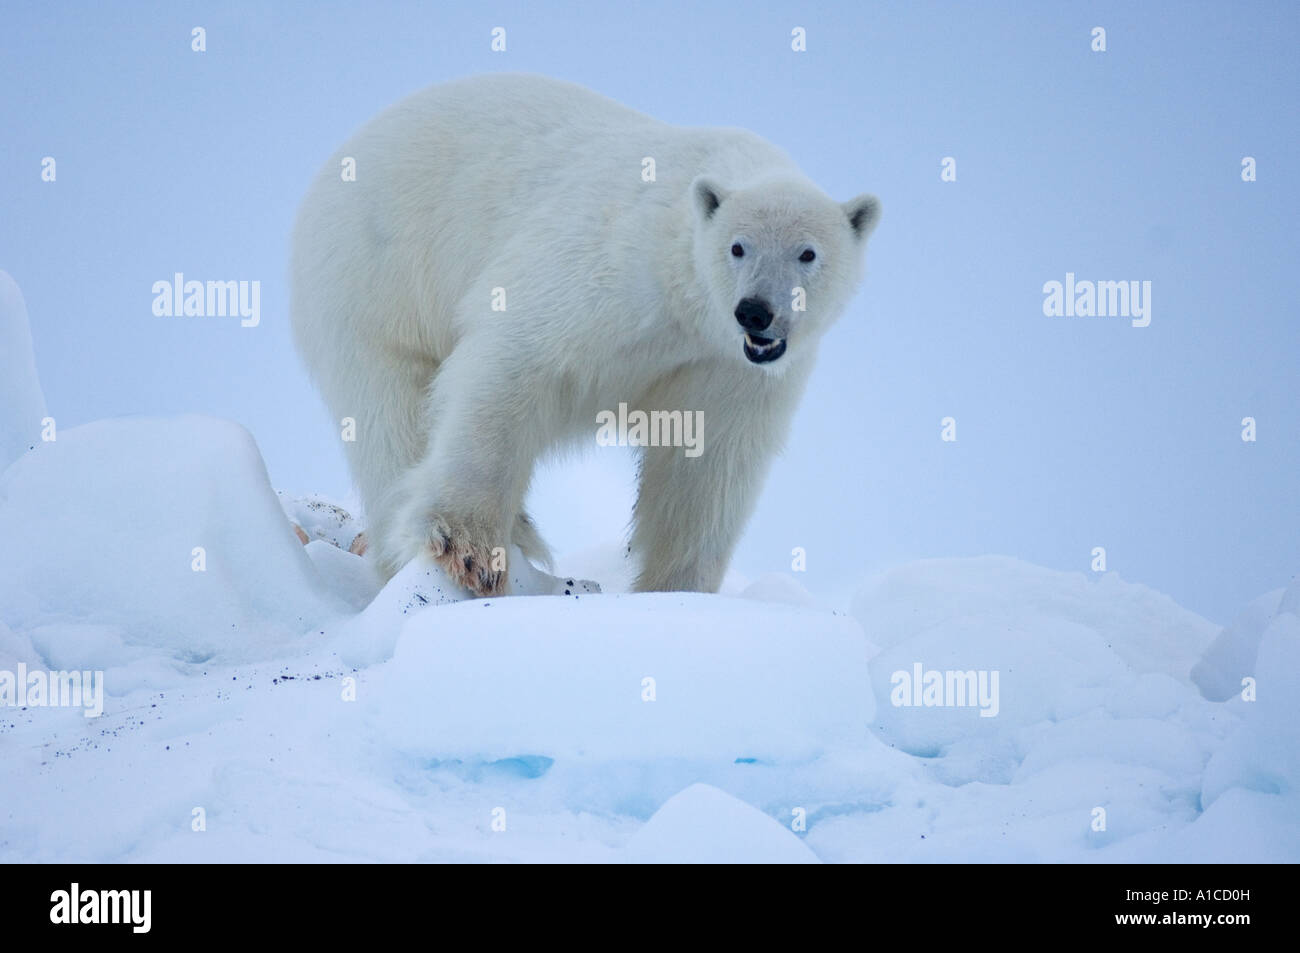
pixel 1072 433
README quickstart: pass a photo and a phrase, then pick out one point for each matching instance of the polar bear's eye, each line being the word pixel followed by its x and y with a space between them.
pixel 737 251
pixel 808 255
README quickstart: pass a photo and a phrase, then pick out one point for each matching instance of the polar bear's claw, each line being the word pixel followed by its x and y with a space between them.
pixel 465 554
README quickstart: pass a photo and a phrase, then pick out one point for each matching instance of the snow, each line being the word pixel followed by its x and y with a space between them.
pixel 1263 752
pixel 622 678
pixel 1218 674
pixel 273 701
pixel 703 825
pixel 778 587
pixel 107 519
pixel 322 520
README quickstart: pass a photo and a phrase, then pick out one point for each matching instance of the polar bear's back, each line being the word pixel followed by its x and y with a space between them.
pixel 547 122
pixel 505 107
pixel 501 146
pixel 445 178
pixel 506 143
pixel 473 177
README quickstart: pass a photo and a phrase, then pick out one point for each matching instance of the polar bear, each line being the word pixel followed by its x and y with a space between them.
pixel 490 264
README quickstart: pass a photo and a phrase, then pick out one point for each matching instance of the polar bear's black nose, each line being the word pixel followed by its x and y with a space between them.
pixel 753 314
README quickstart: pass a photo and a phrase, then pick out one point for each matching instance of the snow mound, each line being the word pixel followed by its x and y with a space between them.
pixel 347 575
pixel 1146 629
pixel 779 587
pixel 1232 655
pixel 370 636
pixel 1058 645
pixel 22 403
pixel 167 530
pixel 703 825
pixel 623 677
pixel 1263 754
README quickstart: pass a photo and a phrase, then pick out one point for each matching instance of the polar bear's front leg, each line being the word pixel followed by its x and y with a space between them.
pixel 690 511
pixel 689 516
pixel 459 504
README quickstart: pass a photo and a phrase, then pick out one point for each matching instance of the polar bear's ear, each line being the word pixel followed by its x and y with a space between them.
pixel 706 196
pixel 863 213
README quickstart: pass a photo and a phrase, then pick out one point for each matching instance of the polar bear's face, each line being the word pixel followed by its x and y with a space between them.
pixel 779 259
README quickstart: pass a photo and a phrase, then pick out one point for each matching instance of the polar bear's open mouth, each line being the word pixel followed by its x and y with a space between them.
pixel 761 350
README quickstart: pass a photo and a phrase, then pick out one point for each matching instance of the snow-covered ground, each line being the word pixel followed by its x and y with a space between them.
pixel 266 700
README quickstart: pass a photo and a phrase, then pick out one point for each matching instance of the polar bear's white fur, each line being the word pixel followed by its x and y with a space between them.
pixel 618 287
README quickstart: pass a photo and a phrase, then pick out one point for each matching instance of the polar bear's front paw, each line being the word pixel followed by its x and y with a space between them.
pixel 467 551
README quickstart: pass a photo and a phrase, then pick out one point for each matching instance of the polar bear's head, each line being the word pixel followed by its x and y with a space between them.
pixel 778 259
